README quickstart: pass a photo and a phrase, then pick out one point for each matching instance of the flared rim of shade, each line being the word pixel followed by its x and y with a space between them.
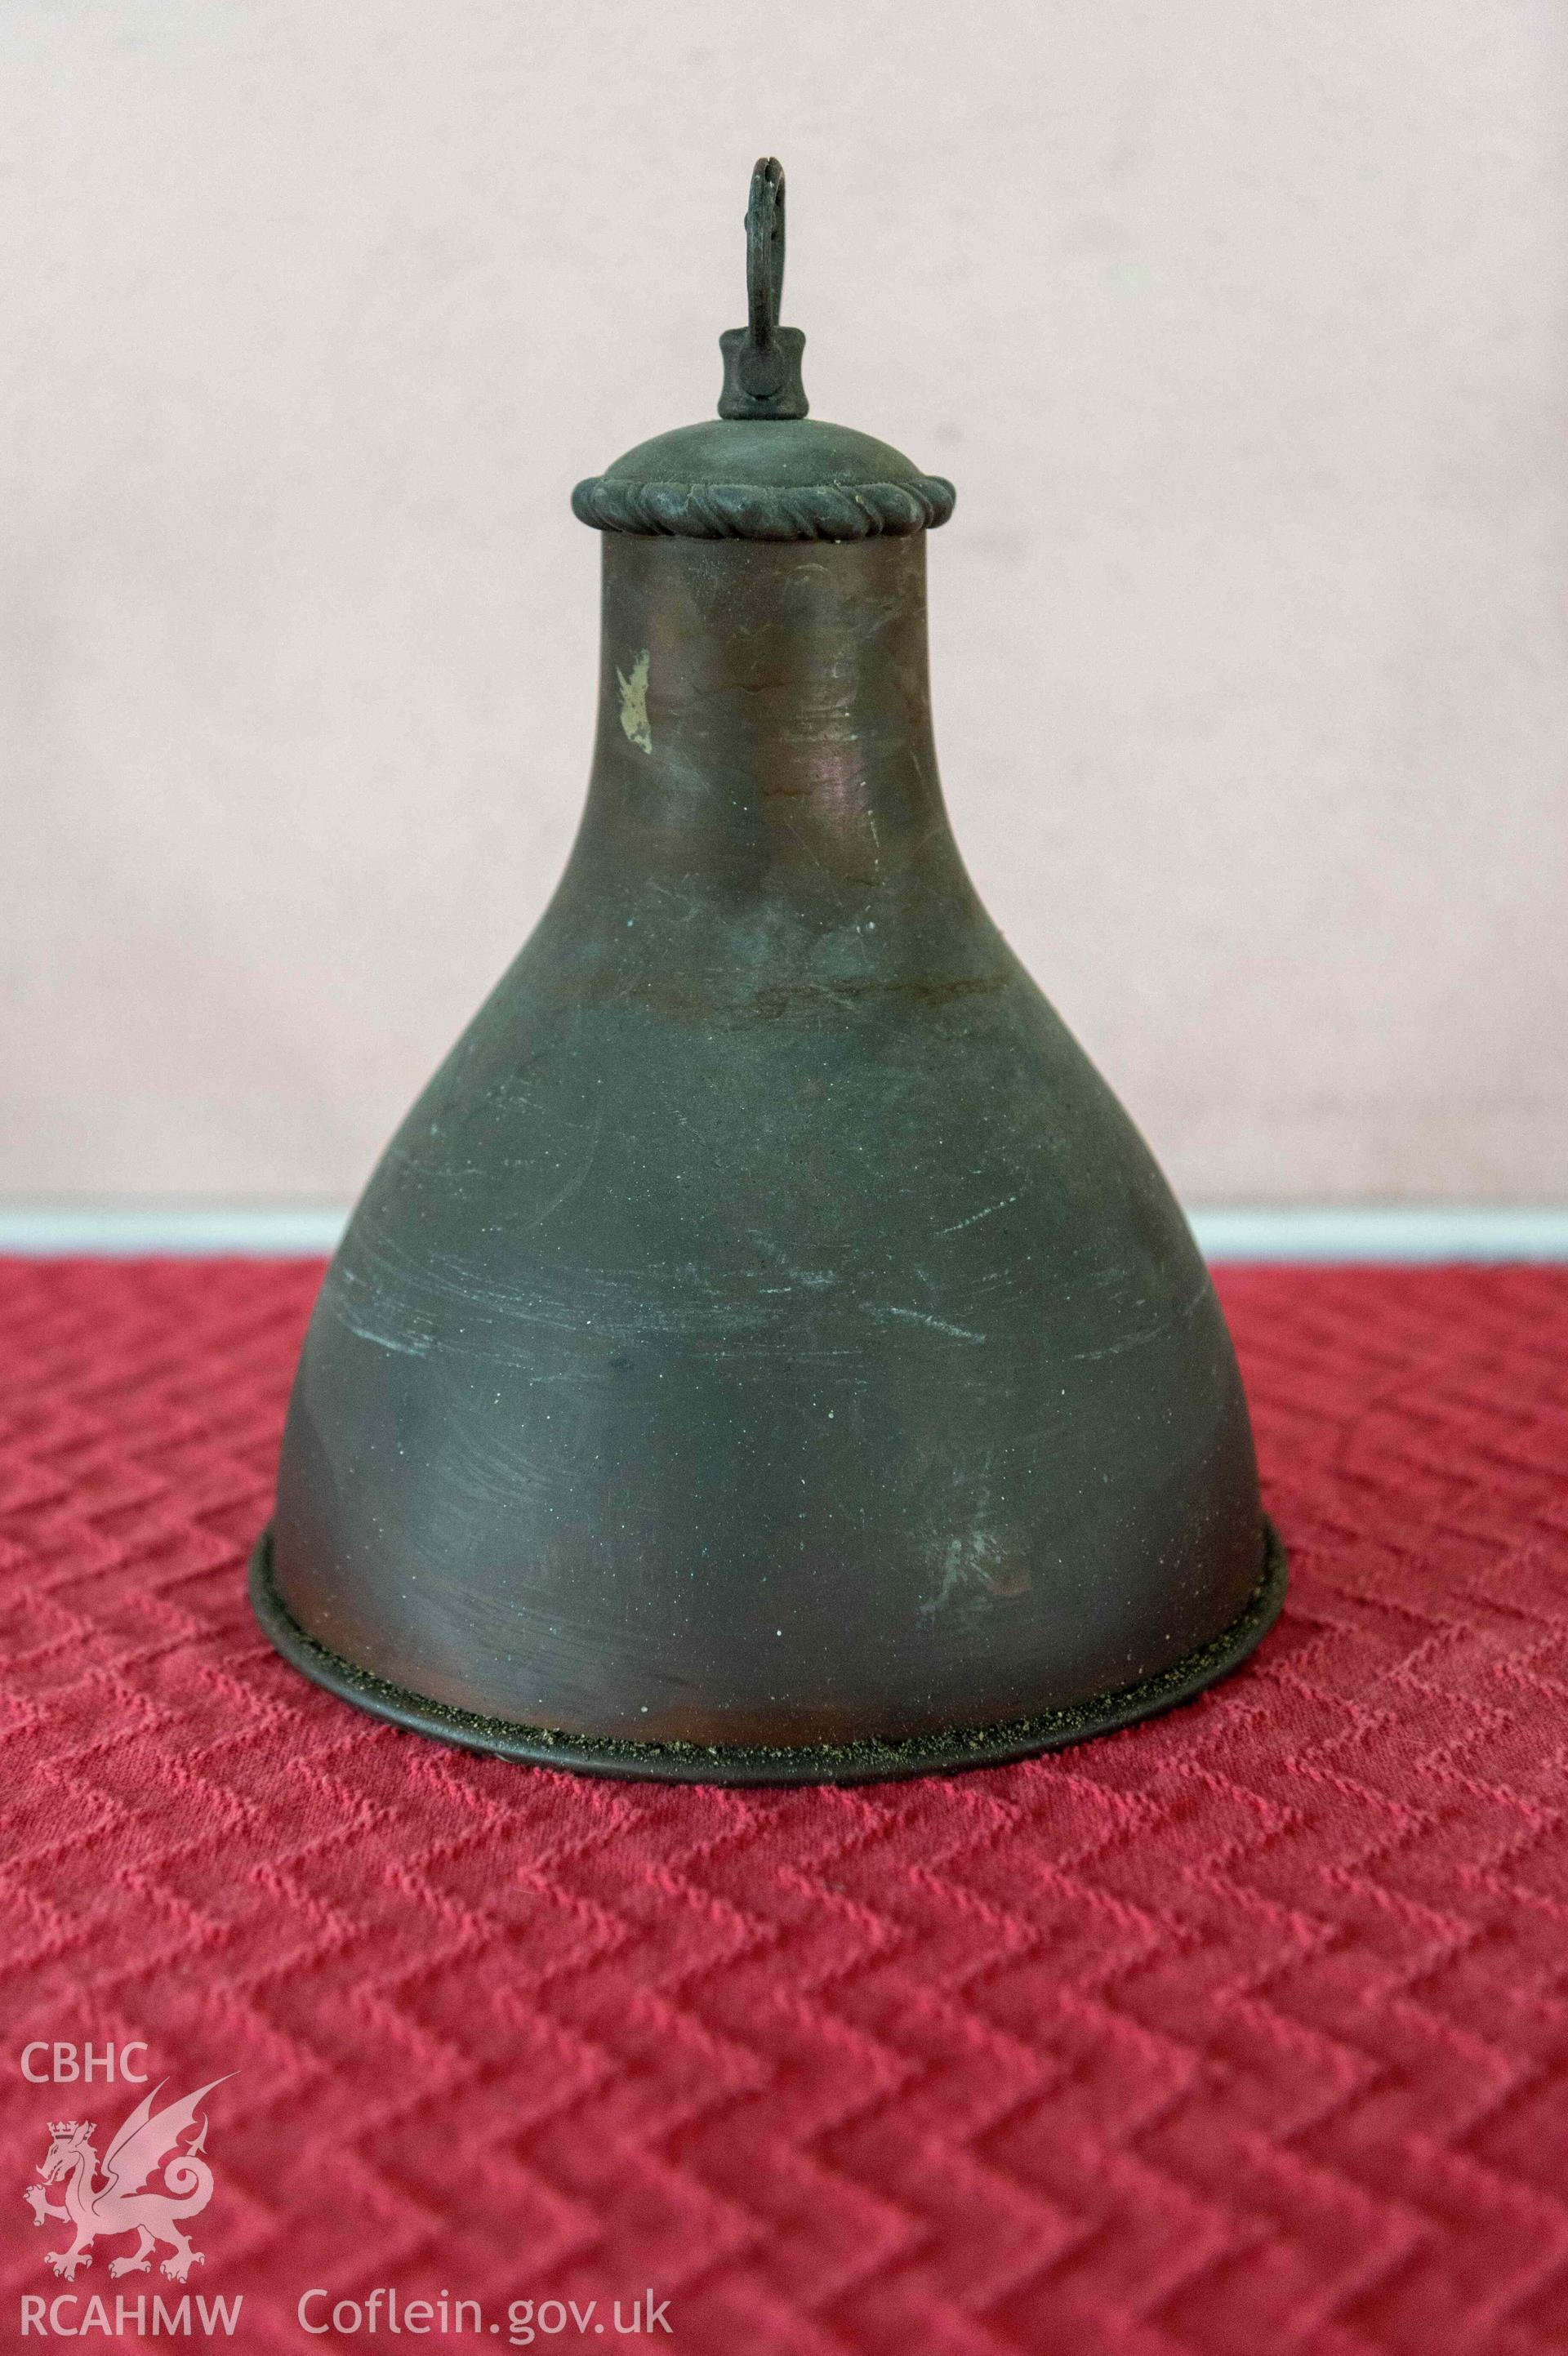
pixel 871 1760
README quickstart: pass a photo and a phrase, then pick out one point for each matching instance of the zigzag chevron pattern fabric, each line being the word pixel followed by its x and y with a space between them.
pixel 1244 2029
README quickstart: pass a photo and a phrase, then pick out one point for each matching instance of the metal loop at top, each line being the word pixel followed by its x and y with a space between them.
pixel 762 359
pixel 765 249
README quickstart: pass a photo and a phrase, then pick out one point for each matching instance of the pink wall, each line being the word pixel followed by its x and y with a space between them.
pixel 1242 328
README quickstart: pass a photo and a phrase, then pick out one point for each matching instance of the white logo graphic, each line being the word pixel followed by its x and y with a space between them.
pixel 119 2204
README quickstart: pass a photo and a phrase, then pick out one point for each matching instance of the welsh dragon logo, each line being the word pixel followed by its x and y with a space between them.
pixel 122 2203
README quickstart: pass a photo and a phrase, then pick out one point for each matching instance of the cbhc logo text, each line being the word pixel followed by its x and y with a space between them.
pixel 64 2065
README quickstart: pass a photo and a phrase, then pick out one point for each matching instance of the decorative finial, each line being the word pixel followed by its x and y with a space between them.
pixel 762 359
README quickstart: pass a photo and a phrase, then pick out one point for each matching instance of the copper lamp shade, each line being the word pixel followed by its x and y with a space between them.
pixel 767 1352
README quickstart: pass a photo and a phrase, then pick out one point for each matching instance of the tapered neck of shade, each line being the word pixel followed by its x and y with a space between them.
pixel 765 707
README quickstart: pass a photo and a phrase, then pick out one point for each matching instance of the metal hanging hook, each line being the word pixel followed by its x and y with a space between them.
pixel 765 249
pixel 762 359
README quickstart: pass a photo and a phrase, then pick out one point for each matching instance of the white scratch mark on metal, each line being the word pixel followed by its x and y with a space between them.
pixel 415 1349
pixel 634 702
pixel 573 1182
pixel 919 1317
pixel 975 1217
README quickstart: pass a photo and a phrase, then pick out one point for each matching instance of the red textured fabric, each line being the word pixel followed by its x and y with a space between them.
pixel 1242 2031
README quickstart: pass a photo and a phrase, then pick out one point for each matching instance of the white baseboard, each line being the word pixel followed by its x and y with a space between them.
pixel 1394 1232
pixel 1397 1232
pixel 174 1230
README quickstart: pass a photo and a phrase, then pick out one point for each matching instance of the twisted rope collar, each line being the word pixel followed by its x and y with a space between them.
pixel 764 512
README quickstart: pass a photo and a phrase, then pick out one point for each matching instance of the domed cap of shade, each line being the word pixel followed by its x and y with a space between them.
pixel 762 469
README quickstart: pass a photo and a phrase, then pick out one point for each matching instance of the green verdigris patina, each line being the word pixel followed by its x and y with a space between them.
pixel 767 1352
